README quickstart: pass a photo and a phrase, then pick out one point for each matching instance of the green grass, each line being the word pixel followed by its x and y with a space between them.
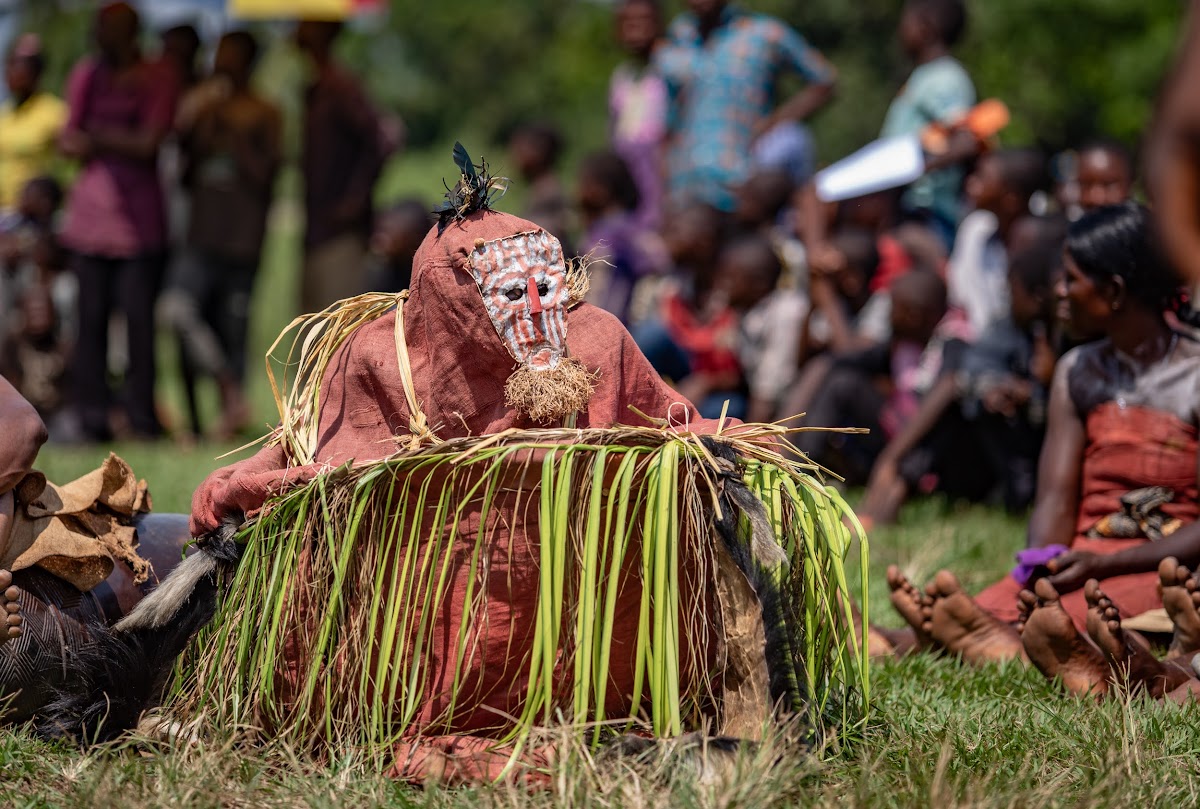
pixel 941 734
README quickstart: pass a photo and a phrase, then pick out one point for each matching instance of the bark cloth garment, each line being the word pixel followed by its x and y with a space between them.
pixel 459 370
pixel 74 552
pixel 79 530
pixel 1141 431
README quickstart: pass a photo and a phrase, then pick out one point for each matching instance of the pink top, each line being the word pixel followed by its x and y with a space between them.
pixel 116 207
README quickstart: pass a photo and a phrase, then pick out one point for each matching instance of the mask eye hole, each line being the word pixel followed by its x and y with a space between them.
pixel 543 288
pixel 514 293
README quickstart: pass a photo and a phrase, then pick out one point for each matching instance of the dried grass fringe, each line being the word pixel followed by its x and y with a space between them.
pixel 369 553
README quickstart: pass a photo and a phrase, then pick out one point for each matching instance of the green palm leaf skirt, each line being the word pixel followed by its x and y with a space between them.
pixel 496 585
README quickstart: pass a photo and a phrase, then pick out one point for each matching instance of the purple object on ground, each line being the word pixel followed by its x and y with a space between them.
pixel 1031 558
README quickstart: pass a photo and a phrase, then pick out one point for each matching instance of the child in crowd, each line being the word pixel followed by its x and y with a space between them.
pixel 999 189
pixel 770 317
pixel 398 234
pixel 978 432
pixel 34 350
pixel 1100 174
pixel 638 103
pixel 690 333
pixel 27 235
pixel 762 206
pixel 880 388
pixel 535 149
pixel 623 250
pixel 846 314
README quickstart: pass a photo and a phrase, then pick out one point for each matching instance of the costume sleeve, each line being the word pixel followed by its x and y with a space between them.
pixel 796 55
pixel 627 385
pixel 241 487
pixel 359 411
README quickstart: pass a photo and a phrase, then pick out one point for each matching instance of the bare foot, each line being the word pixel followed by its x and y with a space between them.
pixel 913 606
pixel 1127 652
pixel 10 608
pixel 963 628
pixel 1055 647
pixel 1181 600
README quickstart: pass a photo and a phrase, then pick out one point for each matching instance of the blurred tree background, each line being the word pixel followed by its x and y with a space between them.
pixel 1068 69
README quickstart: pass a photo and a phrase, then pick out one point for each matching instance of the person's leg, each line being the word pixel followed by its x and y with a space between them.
pixel 231 316
pixel 180 311
pixel 89 362
pixel 234 324
pixel 138 282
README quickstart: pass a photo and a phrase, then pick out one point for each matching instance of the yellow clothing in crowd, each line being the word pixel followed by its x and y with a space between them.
pixel 27 142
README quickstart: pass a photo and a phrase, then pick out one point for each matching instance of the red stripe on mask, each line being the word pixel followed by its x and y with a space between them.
pixel 535 298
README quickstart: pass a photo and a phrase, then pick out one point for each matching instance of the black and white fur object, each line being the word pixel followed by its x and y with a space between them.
pixel 112 680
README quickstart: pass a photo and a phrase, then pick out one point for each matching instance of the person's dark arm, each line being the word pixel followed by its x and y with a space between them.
pixel 1173 156
pixel 961 147
pixel 138 144
pixel 819 75
pixel 803 103
pixel 24 434
pixel 886 472
pixel 1059 468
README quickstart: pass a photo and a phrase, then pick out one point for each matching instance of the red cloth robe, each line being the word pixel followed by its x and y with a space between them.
pixel 459 368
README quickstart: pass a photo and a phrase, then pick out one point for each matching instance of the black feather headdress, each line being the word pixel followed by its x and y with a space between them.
pixel 475 190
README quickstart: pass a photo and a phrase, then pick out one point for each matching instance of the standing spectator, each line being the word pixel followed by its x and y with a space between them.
pixel 230 138
pixel 937 90
pixel 637 104
pixel 722 65
pixel 178 48
pixel 30 120
pixel 342 156
pixel 121 109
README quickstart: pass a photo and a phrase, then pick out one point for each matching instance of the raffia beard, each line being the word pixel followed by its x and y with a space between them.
pixel 552 394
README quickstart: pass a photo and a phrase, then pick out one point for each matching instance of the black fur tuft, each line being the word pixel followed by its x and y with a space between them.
pixel 118 675
pixel 737 501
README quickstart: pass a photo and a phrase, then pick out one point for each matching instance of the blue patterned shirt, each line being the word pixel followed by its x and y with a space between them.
pixel 721 88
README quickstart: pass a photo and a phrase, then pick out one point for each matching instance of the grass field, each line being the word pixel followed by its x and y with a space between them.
pixel 940 734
